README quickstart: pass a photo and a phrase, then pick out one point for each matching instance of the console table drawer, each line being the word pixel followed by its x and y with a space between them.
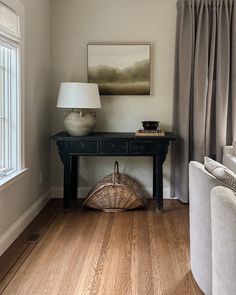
pixel 111 147
pixel 86 147
pixel 146 148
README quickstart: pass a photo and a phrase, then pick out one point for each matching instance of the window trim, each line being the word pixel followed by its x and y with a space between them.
pixel 12 178
pixel 7 36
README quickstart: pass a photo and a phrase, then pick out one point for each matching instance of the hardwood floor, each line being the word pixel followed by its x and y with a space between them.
pixel 90 252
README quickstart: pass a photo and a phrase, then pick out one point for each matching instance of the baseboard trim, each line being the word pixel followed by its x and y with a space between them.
pixel 57 192
pixel 18 227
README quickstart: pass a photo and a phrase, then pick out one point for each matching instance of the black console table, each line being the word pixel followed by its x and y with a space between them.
pixel 70 148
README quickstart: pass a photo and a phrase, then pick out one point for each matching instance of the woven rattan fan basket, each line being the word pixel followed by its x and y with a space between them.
pixel 117 192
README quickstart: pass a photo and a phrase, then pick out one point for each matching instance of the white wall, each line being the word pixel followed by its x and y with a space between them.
pixel 20 196
pixel 75 23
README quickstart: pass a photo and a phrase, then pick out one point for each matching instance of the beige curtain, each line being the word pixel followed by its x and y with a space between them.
pixel 205 84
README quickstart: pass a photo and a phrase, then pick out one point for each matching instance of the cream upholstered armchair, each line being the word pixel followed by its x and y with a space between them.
pixel 206 264
pixel 200 185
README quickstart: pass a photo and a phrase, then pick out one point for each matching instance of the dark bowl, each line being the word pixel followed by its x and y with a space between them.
pixel 150 125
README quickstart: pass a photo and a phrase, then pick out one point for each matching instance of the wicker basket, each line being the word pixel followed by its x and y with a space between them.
pixel 117 192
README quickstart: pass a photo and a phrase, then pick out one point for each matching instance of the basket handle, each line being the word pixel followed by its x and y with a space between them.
pixel 116 171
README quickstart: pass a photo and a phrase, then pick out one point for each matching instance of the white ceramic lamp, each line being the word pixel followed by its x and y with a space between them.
pixel 80 97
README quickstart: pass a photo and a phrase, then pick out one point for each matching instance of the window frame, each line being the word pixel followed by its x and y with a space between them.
pixel 19 42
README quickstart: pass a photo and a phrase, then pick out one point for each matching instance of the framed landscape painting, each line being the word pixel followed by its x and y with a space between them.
pixel 120 69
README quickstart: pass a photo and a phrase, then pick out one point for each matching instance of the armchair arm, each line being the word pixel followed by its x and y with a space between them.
pixel 200 184
pixel 223 223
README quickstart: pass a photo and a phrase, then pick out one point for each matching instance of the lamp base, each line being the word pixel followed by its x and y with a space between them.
pixel 79 124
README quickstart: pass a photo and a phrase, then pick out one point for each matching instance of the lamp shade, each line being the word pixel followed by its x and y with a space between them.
pixel 79 96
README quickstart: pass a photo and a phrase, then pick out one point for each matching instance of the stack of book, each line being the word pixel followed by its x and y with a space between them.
pixel 143 132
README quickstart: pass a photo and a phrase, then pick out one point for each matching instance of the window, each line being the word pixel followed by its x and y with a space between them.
pixel 11 131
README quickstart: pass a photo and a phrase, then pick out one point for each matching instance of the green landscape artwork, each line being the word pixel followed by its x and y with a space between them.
pixel 120 69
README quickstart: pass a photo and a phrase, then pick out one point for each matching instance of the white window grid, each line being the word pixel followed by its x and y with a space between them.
pixel 11 89
pixel 9 145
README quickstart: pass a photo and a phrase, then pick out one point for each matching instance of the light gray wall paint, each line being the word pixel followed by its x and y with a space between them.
pixel 75 23
pixel 17 198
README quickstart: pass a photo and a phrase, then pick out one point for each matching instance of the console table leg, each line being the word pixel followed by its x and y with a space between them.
pixel 158 183
pixel 154 191
pixel 67 182
pixel 74 176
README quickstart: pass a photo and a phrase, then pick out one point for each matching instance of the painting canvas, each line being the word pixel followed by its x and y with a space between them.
pixel 120 69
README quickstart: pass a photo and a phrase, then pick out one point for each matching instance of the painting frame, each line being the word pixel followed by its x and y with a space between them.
pixel 120 68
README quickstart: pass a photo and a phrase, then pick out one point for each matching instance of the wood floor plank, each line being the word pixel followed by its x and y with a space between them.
pixel 163 273
pixel 122 263
pixel 134 254
pixel 145 271
pixel 17 265
pixel 85 252
pixel 87 255
pixel 98 266
pixel 114 257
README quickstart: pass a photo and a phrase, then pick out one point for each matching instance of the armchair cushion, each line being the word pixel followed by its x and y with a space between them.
pixel 221 172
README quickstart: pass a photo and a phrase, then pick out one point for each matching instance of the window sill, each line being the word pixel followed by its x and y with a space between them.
pixel 11 178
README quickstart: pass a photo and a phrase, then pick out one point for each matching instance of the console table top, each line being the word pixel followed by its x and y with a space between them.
pixel 63 136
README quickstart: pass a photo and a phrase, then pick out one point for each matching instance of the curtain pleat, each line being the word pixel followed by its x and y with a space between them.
pixel 205 87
